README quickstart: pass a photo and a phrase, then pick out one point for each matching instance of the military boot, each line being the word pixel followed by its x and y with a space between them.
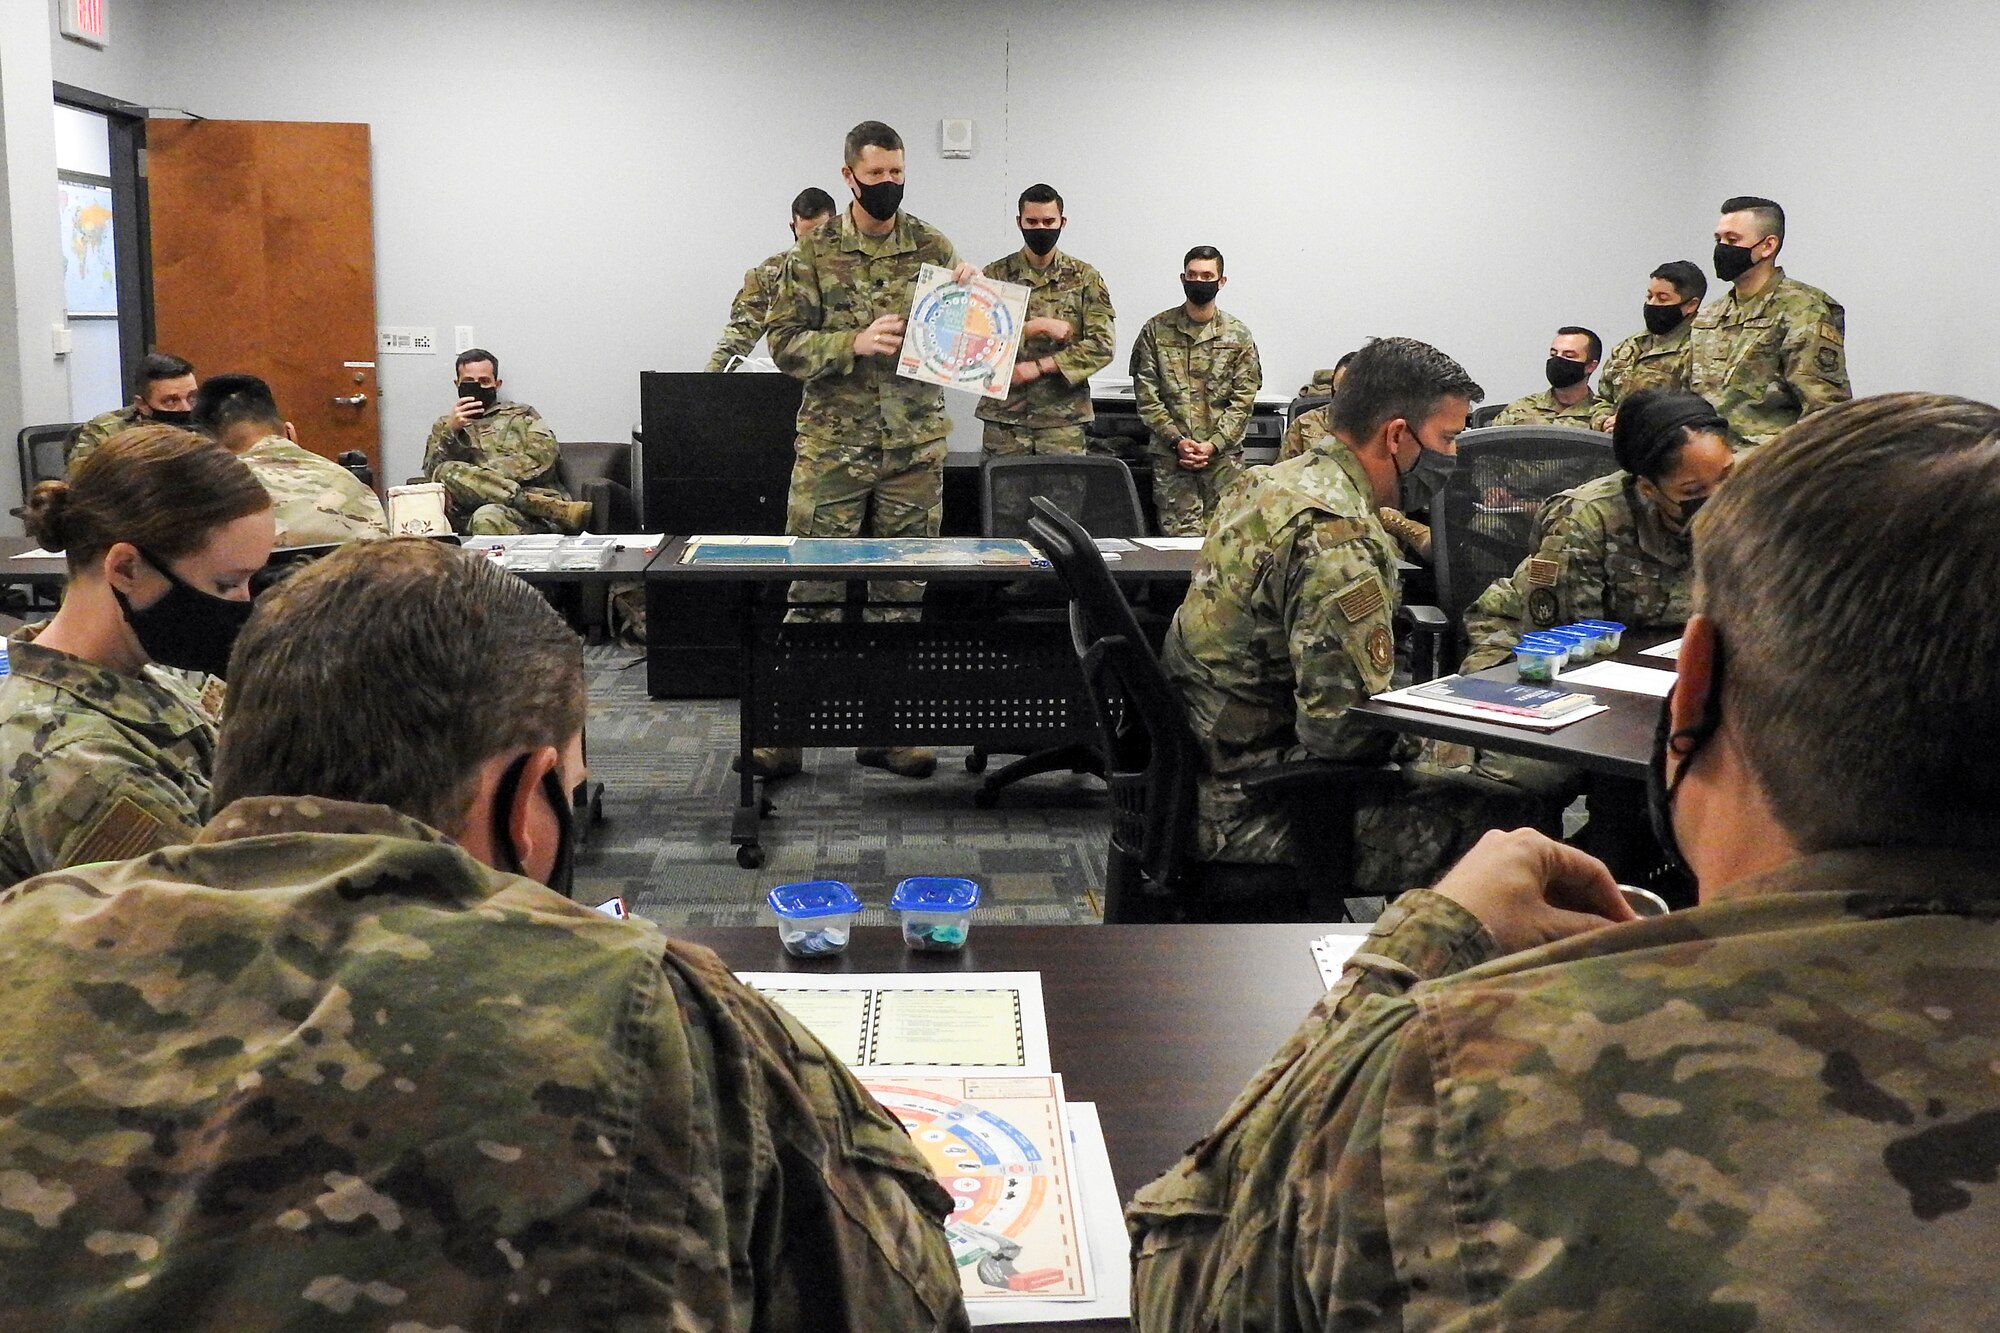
pixel 551 508
pixel 905 761
pixel 772 762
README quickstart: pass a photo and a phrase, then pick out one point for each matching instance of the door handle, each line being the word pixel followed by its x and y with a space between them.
pixel 354 400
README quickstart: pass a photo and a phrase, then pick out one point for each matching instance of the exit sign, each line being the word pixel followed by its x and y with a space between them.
pixel 83 20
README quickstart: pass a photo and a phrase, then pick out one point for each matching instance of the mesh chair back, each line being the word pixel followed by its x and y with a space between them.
pixel 42 453
pixel 1151 760
pixel 1096 493
pixel 1486 519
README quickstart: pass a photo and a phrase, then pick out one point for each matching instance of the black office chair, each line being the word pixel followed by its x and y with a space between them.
pixel 1099 494
pixel 356 462
pixel 42 449
pixel 1482 417
pixel 1152 763
pixel 1487 518
pixel 1303 404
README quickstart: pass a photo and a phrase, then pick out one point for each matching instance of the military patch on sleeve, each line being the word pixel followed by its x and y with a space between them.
pixel 1542 607
pixel 214 695
pixel 1542 573
pixel 125 830
pixel 1381 650
pixel 1361 601
pixel 1827 360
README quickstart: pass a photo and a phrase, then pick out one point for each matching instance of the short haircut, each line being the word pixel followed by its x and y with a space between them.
pixel 1769 216
pixel 460 661
pixel 157 366
pixel 226 401
pixel 1685 277
pixel 870 134
pixel 812 202
pixel 1596 352
pixel 1203 252
pixel 1396 377
pixel 161 488
pixel 472 354
pixel 1851 568
pixel 1346 360
pixel 1654 425
pixel 1039 194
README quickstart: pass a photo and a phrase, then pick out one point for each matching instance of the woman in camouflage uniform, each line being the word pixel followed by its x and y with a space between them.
pixel 1616 548
pixel 107 752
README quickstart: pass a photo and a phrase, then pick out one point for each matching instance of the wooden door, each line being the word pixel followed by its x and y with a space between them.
pixel 263 250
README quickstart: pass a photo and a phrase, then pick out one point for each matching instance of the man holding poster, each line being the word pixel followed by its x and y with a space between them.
pixel 870 449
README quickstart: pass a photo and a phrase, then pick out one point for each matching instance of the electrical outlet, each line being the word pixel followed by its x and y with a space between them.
pixel 59 339
pixel 461 338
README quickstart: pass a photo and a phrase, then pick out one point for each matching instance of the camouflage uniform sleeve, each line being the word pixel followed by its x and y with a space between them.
pixel 800 344
pixel 1296 440
pixel 1336 611
pixel 1529 598
pixel 1814 359
pixel 846 1227
pixel 1090 350
pixel 1147 389
pixel 1601 414
pixel 1611 380
pixel 520 447
pixel 98 798
pixel 1276 1221
pixel 1234 419
pixel 1512 415
pixel 746 321
pixel 444 444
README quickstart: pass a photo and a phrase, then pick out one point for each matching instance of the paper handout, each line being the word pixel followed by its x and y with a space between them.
pixel 963 335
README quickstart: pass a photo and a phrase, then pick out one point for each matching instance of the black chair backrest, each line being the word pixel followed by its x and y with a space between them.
pixel 587 460
pixel 1485 520
pixel 1095 491
pixel 1482 417
pixel 1151 760
pixel 42 449
pixel 1303 404
pixel 356 462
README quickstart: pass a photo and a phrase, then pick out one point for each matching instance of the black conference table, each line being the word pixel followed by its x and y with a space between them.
pixel 1160 1026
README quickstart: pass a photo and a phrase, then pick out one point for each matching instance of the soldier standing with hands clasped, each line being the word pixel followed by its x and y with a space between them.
pixel 871 444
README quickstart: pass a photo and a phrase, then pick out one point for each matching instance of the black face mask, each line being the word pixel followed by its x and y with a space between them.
pixel 187 628
pixel 166 418
pixel 1041 239
pixel 1659 791
pixel 1200 293
pixel 1732 261
pixel 880 200
pixel 1564 373
pixel 563 873
pixel 1663 318
pixel 1423 481
pixel 487 394
pixel 1684 510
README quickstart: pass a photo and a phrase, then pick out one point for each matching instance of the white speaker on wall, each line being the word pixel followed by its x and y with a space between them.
pixel 955 138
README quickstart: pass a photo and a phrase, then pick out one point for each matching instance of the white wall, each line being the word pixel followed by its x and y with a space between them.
pixel 123 68
pixel 1874 126
pixel 585 184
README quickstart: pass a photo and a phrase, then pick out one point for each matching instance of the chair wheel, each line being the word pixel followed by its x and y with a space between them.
pixel 749 857
pixel 975 762
pixel 765 807
pixel 986 797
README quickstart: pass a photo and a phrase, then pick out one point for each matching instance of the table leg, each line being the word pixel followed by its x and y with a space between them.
pixel 751 806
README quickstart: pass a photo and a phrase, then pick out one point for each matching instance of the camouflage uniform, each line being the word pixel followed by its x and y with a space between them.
pixel 1769 360
pixel 1603 554
pixel 1197 382
pixel 1542 409
pixel 96 431
pixel 324 1070
pixel 98 765
pixel 871 444
pixel 1309 430
pixel 1319 386
pixel 1285 626
pixel 1775 1111
pixel 748 312
pixel 499 473
pixel 1646 361
pixel 317 500
pixel 1047 415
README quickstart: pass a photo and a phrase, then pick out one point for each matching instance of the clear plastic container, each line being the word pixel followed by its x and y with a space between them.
pixel 937 912
pixel 1583 642
pixel 1539 660
pixel 814 917
pixel 1609 635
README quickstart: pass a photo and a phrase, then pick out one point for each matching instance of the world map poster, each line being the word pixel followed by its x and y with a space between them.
pixel 90 265
pixel 963 335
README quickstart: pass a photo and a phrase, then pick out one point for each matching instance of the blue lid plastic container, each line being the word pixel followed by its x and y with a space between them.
pixel 815 916
pixel 936 911
pixel 1609 632
pixel 1539 658
pixel 1584 642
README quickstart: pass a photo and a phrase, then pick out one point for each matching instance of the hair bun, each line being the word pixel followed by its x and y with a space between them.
pixel 46 512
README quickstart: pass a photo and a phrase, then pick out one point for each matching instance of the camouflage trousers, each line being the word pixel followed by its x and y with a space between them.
pixel 841 488
pixel 1183 498
pixel 499 506
pixel 1002 440
pixel 1403 839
